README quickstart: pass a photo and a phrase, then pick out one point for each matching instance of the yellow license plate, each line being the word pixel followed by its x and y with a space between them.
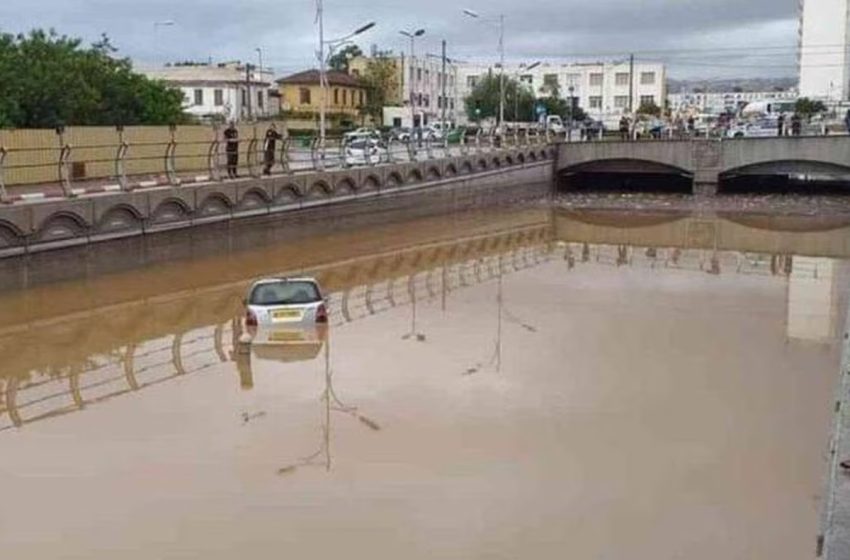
pixel 286 336
pixel 286 315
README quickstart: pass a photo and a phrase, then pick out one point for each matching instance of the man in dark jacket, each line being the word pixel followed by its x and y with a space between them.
pixel 272 136
pixel 231 135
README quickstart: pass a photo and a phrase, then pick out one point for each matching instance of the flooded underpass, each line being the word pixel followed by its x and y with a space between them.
pixel 528 383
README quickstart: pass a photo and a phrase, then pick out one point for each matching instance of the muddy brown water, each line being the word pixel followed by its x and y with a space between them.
pixel 507 384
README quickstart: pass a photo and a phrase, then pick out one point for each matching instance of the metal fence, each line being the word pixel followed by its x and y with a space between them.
pixel 75 161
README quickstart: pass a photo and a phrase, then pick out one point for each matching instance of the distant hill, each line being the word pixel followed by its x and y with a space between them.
pixel 719 85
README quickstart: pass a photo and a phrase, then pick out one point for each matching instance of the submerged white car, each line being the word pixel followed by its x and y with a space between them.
pixel 282 302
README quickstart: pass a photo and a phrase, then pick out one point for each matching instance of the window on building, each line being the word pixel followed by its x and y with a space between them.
pixel 304 96
pixel 647 78
pixel 419 99
pixel 573 79
pixel 418 74
pixel 260 99
pixel 622 78
pixel 526 79
pixel 355 72
pixel 621 101
pixel 595 101
pixel 471 82
pixel 344 97
pixel 427 100
pixel 550 80
pixel 218 97
pixel 244 97
pixel 362 101
pixel 427 76
pixel 452 104
pixel 199 97
pixel 596 80
pixel 647 100
pixel 336 96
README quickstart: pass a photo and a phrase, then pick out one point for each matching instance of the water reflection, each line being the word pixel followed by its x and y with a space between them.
pixel 52 367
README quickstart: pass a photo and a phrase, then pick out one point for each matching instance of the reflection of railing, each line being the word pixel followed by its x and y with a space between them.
pixel 702 260
pixel 177 355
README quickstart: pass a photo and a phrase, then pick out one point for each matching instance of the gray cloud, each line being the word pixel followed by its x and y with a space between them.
pixel 695 37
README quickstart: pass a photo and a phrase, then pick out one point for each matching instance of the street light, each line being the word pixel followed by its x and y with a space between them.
pixel 412 35
pixel 332 45
pixel 501 24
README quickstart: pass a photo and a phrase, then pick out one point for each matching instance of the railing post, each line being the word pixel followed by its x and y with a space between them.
pixel 390 156
pixel 121 158
pixel 284 154
pixel 318 164
pixel 64 163
pixel 411 148
pixel 170 157
pixel 212 156
pixel 429 147
pixel 4 195
pixel 464 147
pixel 253 170
pixel 478 141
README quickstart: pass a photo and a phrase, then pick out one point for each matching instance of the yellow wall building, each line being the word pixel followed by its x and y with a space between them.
pixel 302 93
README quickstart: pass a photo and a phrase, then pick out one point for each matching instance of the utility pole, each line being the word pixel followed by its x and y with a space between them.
pixel 501 70
pixel 443 99
pixel 248 89
pixel 631 83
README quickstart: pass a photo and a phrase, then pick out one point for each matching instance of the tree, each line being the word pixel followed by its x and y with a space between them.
pixel 48 80
pixel 339 61
pixel 483 102
pixel 379 78
pixel 650 109
pixel 806 107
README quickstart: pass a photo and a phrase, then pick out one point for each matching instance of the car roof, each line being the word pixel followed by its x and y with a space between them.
pixel 262 281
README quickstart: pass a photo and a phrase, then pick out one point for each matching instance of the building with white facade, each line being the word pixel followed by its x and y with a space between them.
pixel 228 91
pixel 418 83
pixel 604 90
pixel 824 56
pixel 715 103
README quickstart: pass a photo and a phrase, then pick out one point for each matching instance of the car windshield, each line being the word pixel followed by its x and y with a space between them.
pixel 358 144
pixel 284 293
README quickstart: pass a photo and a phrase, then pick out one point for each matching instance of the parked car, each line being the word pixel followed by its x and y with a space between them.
pixel 363 151
pixel 761 128
pixel 282 302
pixel 363 132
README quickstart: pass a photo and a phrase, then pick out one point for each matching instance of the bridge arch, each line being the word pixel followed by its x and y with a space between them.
pixel 254 198
pixel 451 170
pixel 170 210
pixel 10 234
pixel 433 174
pixel 415 176
pixel 61 225
pixel 346 185
pixel 215 204
pixel 121 217
pixel 799 175
pixel 371 182
pixel 467 167
pixel 625 174
pixel 319 189
pixel 482 164
pixel 289 194
pixel 394 179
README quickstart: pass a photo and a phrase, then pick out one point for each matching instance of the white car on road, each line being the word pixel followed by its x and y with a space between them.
pixel 762 128
pixel 363 151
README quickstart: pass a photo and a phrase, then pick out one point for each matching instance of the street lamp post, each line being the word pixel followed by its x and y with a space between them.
pixel 332 45
pixel 412 35
pixel 259 51
pixel 501 25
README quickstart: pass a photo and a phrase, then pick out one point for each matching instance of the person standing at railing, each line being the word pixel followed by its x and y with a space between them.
pixel 231 135
pixel 272 136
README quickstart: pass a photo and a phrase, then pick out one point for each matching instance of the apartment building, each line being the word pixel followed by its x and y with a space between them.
pixel 605 90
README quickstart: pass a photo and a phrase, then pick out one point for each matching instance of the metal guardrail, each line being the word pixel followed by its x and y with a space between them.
pixel 127 165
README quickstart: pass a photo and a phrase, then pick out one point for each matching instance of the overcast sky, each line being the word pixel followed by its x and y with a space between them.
pixel 697 38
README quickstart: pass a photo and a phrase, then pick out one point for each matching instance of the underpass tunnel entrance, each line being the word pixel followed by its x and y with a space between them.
pixel 787 177
pixel 625 176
